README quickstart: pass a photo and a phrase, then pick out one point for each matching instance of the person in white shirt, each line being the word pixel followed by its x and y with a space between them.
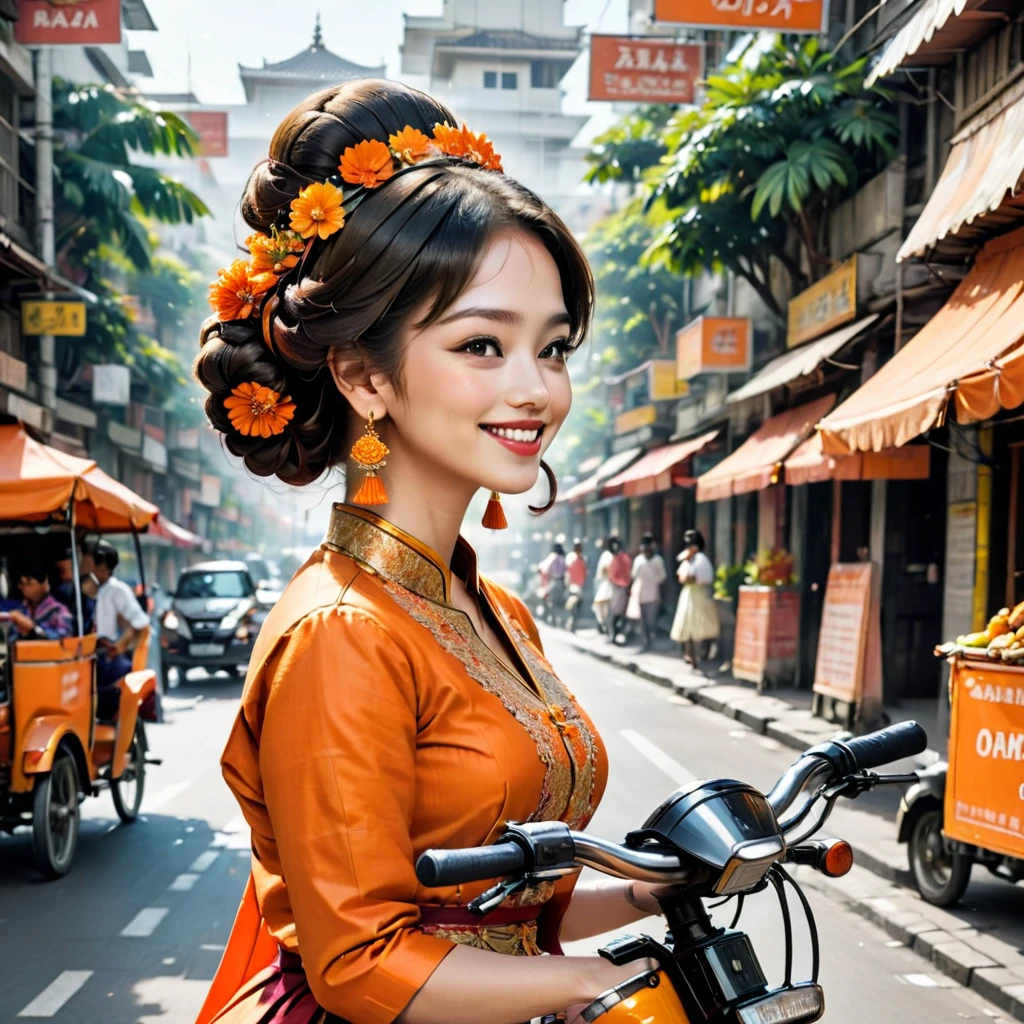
pixel 696 619
pixel 645 593
pixel 116 603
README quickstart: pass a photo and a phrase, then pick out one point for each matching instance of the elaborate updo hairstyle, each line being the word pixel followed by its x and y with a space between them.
pixel 416 238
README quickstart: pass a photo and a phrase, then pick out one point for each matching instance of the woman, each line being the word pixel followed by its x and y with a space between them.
pixel 696 619
pixel 604 589
pixel 648 574
pixel 416 313
pixel 552 578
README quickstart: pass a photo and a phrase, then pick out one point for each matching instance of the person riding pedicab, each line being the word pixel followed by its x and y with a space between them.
pixel 116 603
pixel 42 617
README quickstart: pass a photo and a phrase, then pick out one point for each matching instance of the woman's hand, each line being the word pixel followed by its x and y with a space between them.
pixel 642 896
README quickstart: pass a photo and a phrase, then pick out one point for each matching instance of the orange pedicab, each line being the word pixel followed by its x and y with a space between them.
pixel 53 750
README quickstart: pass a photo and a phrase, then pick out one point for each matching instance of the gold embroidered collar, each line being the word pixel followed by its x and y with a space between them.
pixel 398 556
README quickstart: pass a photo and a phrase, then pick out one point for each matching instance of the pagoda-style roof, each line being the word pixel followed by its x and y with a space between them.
pixel 315 67
pixel 491 39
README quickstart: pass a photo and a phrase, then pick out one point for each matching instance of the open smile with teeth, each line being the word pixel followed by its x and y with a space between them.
pixel 523 436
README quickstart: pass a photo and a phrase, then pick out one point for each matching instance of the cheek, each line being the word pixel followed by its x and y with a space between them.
pixel 560 390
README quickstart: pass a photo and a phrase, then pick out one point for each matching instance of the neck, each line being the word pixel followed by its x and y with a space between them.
pixel 423 503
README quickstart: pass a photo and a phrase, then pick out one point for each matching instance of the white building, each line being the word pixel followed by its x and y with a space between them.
pixel 498 66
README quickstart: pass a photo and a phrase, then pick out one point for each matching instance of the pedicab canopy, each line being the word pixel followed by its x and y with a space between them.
pixel 38 482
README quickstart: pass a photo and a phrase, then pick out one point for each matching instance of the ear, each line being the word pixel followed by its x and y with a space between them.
pixel 357 384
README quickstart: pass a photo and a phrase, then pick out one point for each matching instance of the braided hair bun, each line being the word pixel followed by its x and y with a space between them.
pixel 415 239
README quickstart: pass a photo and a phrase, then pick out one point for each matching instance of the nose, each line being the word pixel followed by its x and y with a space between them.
pixel 527 389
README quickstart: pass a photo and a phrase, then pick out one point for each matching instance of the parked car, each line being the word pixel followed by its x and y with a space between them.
pixel 213 619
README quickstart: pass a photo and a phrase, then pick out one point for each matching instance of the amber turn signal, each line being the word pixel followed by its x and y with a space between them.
pixel 838 859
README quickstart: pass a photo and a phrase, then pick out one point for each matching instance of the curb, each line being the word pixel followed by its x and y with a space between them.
pixel 987 965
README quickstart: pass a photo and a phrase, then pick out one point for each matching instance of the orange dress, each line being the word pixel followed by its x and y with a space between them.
pixel 376 724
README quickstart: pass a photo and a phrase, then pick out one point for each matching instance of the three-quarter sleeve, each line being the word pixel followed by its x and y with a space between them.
pixel 337 759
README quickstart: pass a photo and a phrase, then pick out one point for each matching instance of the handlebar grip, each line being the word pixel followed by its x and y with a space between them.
pixel 891 744
pixel 453 867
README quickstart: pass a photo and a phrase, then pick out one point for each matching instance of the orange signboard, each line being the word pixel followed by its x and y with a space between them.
pixel 212 128
pixel 62 22
pixel 746 15
pixel 849 662
pixel 985 784
pixel 713 344
pixel 644 70
pixel 767 634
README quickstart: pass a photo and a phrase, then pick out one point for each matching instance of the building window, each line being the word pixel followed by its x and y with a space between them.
pixel 509 80
pixel 543 74
pixel 490 79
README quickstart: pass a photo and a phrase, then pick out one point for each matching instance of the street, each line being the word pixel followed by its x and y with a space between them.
pixel 135 932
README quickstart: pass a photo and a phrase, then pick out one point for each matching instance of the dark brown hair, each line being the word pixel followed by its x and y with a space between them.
pixel 417 238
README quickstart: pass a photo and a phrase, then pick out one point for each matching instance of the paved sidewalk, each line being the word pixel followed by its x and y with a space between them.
pixel 980 944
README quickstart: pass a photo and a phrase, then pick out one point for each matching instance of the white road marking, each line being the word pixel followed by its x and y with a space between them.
pixel 144 923
pixel 183 883
pixel 203 861
pixel 235 835
pixel 166 795
pixel 669 765
pixel 56 994
pixel 211 947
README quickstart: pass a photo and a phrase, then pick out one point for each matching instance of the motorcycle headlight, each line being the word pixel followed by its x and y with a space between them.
pixel 804 1003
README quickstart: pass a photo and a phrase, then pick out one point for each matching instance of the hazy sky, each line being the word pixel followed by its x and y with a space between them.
pixel 221 34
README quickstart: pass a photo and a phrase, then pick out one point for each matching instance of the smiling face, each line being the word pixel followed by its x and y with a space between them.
pixel 485 388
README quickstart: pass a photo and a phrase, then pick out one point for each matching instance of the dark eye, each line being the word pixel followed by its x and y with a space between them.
pixel 559 350
pixel 482 347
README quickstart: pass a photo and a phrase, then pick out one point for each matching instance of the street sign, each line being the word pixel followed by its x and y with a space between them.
pixel 53 316
pixel 713 344
pixel 643 70
pixel 68 22
pixel 746 15
pixel 827 304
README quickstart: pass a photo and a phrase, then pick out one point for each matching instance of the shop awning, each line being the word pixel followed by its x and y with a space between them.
pixel 809 464
pixel 982 174
pixel 936 32
pixel 756 463
pixel 968 353
pixel 177 535
pixel 653 473
pixel 612 465
pixel 799 362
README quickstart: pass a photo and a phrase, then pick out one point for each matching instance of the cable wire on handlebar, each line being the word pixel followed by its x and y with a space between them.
pixel 787 923
pixel 808 913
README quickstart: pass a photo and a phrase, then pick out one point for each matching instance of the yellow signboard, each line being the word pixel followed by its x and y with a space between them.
pixel 51 316
pixel 634 419
pixel 664 383
pixel 825 305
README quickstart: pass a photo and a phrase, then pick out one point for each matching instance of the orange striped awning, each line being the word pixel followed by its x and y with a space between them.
pixel 809 464
pixel 757 462
pixel 969 354
pixel 653 473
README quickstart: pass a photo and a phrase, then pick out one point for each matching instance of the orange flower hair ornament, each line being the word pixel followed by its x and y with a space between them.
pixel 258 411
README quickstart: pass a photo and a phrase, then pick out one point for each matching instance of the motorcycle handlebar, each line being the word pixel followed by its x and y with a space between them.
pixel 453 867
pixel 887 745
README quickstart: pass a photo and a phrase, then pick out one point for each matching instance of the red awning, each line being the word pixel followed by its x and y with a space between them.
pixel 756 463
pixel 809 464
pixel 177 535
pixel 653 473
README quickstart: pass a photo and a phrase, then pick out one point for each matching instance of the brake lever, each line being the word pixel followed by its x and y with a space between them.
pixel 861 782
pixel 492 898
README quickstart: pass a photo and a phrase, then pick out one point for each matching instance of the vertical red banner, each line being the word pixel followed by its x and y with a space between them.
pixel 68 22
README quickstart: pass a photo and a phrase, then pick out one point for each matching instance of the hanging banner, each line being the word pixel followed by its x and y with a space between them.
pixel 68 22
pixel 643 70
pixel 713 344
pixel 212 128
pixel 746 15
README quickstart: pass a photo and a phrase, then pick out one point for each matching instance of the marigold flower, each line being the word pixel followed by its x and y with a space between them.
pixel 237 291
pixel 449 140
pixel 367 163
pixel 369 450
pixel 410 145
pixel 318 211
pixel 258 411
pixel 461 142
pixel 276 252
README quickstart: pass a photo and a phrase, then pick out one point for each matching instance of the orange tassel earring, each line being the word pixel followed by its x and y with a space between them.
pixel 494 515
pixel 370 452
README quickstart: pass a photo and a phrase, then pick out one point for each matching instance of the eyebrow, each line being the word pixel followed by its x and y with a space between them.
pixel 501 316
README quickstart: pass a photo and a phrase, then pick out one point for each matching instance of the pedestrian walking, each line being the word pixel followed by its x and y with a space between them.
pixel 648 574
pixel 620 573
pixel 552 576
pixel 604 589
pixel 576 573
pixel 696 619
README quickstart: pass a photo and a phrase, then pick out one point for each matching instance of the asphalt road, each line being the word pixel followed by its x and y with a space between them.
pixel 135 932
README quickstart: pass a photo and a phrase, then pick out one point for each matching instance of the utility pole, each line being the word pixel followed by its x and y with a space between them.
pixel 44 211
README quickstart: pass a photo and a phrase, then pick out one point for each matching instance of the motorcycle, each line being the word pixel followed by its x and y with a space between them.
pixel 719 839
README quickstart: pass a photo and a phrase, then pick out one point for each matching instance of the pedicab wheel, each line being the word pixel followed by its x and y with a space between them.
pixel 55 816
pixel 941 876
pixel 127 791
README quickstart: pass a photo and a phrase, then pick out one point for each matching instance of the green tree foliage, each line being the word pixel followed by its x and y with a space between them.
pixel 782 135
pixel 106 204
